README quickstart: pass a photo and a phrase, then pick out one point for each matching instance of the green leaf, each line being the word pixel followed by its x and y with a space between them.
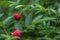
pixel 19 6
pixel 12 2
pixel 32 27
pixel 41 8
pixel 59 9
pixel 1 15
pixel 31 1
pixel 18 1
pixel 28 19
pixel 18 26
pixel 37 18
pixel 54 11
pixel 41 20
pixel 7 20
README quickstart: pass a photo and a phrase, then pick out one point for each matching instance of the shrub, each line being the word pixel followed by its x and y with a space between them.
pixel 40 19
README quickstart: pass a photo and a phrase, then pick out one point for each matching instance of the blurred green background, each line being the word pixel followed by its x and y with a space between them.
pixel 40 19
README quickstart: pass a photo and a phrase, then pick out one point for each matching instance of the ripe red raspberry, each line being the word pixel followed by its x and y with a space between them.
pixel 17 16
pixel 17 33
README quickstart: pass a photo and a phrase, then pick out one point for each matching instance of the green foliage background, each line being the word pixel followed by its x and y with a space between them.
pixel 40 19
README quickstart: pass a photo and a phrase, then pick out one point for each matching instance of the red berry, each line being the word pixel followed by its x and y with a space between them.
pixel 17 16
pixel 17 33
